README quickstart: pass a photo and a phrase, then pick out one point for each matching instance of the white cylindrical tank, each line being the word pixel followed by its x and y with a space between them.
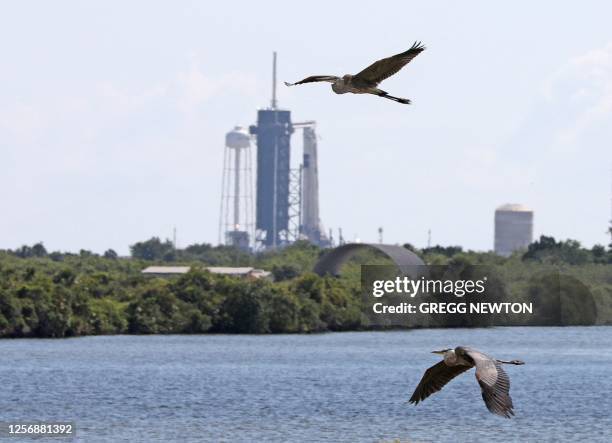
pixel 238 138
pixel 513 228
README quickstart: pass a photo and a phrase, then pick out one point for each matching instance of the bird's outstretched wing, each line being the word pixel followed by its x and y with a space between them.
pixel 386 67
pixel 315 78
pixel 494 383
pixel 434 379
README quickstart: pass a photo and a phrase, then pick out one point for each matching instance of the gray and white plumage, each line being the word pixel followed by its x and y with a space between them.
pixel 367 81
pixel 493 380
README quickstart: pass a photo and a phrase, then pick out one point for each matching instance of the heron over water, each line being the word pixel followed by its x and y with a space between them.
pixel 493 380
pixel 366 81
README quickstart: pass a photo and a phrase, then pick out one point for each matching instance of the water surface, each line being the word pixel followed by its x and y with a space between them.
pixel 328 387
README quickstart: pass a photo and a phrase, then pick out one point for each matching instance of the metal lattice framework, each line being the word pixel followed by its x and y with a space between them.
pixel 295 204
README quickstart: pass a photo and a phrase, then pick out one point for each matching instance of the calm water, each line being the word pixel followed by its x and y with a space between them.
pixel 330 387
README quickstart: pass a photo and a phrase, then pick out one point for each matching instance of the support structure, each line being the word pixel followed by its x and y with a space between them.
pixel 311 228
pixel 287 201
pixel 295 204
pixel 236 212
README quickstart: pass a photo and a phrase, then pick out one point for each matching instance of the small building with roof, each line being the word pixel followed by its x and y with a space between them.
pixel 242 272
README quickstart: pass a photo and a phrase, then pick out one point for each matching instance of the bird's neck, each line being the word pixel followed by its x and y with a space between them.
pixel 450 358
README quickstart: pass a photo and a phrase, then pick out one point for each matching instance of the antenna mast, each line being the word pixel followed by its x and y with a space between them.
pixel 274 80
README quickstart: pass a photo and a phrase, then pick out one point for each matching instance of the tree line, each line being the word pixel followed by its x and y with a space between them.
pixel 58 294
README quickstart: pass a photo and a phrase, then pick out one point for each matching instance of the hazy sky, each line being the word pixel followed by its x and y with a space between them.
pixel 113 116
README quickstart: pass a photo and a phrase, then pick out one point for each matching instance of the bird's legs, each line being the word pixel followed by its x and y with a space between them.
pixel 385 94
pixel 512 362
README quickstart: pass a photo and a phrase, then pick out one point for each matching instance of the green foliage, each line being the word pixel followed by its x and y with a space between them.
pixel 447 251
pixel 110 253
pixel 215 255
pixel 36 250
pixel 244 309
pixel 108 316
pixel 301 256
pixel 548 250
pixel 153 249
pixel 159 311
pixel 283 312
pixel 285 272
pixel 337 301
pixel 61 294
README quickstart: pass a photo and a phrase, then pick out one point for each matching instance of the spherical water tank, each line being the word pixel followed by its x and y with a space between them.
pixel 238 138
pixel 513 228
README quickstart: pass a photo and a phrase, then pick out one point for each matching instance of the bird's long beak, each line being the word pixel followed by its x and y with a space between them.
pixel 438 352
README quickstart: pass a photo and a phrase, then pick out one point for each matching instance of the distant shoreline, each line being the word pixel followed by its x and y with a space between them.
pixel 381 330
pixel 55 295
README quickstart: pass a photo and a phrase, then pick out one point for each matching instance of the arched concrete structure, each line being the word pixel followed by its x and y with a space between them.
pixel 332 261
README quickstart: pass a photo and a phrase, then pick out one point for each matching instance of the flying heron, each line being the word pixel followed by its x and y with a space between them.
pixel 493 380
pixel 366 82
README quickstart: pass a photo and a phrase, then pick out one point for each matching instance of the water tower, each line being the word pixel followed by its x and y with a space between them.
pixel 513 228
pixel 236 214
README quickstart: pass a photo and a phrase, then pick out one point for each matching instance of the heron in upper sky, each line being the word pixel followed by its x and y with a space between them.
pixel 493 380
pixel 366 82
